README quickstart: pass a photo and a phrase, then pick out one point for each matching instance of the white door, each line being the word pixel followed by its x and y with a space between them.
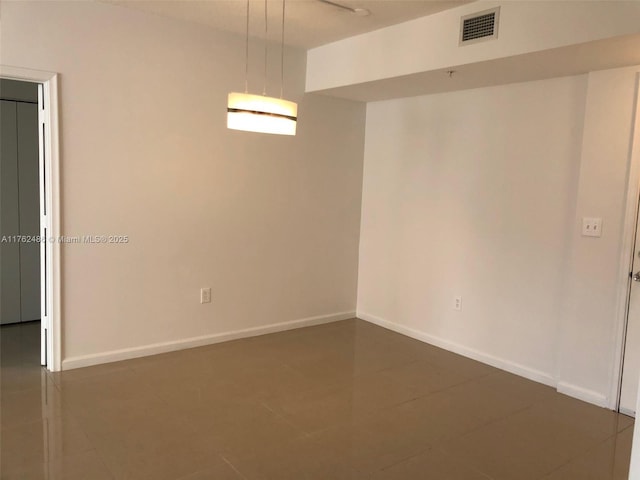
pixel 631 359
pixel 631 362
pixel 45 246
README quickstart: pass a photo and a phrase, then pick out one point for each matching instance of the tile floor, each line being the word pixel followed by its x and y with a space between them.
pixel 347 400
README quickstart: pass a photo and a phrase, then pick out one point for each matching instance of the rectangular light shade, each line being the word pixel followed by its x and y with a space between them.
pixel 257 113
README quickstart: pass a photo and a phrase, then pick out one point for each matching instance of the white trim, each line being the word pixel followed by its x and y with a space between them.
pixel 52 158
pixel 626 255
pixel 25 74
pixel 501 363
pixel 153 349
pixel 44 225
pixel 583 394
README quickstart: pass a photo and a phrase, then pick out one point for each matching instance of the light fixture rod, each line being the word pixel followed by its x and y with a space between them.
pixel 266 39
pixel 246 55
pixel 282 53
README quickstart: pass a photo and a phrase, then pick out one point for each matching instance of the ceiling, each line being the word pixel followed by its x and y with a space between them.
pixel 309 23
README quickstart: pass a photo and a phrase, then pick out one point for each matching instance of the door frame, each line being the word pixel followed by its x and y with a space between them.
pixel 51 160
pixel 627 252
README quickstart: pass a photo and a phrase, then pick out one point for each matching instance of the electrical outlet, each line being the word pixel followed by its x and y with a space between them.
pixel 457 303
pixel 205 295
pixel 591 227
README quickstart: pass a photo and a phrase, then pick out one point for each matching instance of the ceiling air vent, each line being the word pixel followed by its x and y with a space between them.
pixel 479 26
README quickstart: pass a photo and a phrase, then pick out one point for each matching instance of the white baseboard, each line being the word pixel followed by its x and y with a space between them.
pixel 627 412
pixel 501 363
pixel 164 347
pixel 565 388
pixel 583 394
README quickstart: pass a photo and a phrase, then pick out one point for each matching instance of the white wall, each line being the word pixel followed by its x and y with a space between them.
pixel 479 193
pixel 470 194
pixel 590 330
pixel 270 223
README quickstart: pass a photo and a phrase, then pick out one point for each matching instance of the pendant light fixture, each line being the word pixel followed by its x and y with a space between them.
pixel 259 113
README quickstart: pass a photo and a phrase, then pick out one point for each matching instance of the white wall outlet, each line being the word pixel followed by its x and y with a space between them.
pixel 205 295
pixel 591 227
pixel 457 303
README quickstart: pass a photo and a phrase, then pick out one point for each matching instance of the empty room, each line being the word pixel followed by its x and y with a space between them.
pixel 319 240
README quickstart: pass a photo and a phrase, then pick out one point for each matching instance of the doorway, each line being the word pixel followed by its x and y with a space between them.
pixel 30 255
pixel 631 356
pixel 630 369
pixel 20 263
pixel 20 203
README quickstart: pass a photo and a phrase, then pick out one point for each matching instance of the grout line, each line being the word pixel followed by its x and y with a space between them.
pixel 280 416
pixel 410 457
pixel 625 428
pixel 228 462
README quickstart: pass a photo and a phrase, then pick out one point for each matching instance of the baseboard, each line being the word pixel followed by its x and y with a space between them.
pixel 627 412
pixel 583 394
pixel 164 347
pixel 501 363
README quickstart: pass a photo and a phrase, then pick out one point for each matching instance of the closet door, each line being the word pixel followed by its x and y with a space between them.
pixel 9 215
pixel 29 201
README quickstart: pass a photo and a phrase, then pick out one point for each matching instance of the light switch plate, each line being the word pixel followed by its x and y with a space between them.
pixel 591 227
pixel 457 303
pixel 205 295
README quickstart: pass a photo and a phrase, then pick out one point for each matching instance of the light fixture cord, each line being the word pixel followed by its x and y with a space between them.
pixel 282 53
pixel 264 90
pixel 246 56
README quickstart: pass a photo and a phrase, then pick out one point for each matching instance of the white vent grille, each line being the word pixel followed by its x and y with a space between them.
pixel 479 26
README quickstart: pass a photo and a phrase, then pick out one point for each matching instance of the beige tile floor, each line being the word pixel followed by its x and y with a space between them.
pixel 347 400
